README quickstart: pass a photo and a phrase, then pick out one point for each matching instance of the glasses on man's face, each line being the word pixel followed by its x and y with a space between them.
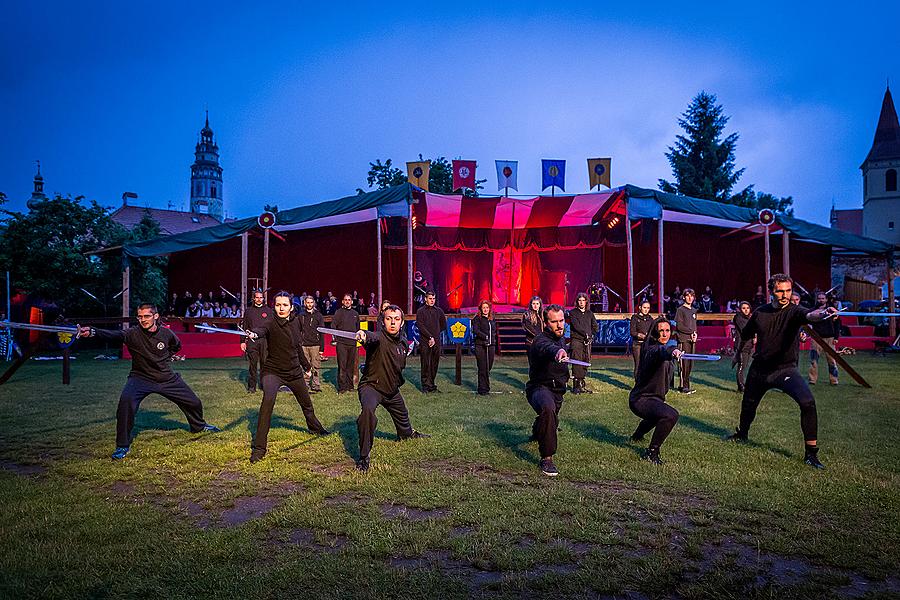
pixel 145 317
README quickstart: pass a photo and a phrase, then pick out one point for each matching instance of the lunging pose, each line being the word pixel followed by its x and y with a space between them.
pixel 285 365
pixel 151 348
pixel 776 326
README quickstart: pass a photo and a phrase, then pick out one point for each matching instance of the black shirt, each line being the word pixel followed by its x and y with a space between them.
pixel 309 322
pixel 532 329
pixel 654 372
pixel 685 322
pixel 777 331
pixel 582 324
pixel 543 370
pixel 385 360
pixel 640 324
pixel 284 358
pixel 431 321
pixel 485 331
pixel 827 328
pixel 740 344
pixel 345 319
pixel 151 352
pixel 254 317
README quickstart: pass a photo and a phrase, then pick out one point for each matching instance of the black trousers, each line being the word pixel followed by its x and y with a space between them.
pixel 654 413
pixel 270 385
pixel 686 365
pixel 256 356
pixel 636 348
pixel 581 350
pixel 546 403
pixel 484 360
pixel 742 365
pixel 137 388
pixel 346 361
pixel 430 357
pixel 788 381
pixel 369 399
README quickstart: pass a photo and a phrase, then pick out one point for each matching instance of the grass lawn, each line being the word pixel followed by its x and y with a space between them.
pixel 465 513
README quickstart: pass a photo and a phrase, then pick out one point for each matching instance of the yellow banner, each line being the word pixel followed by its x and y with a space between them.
pixel 598 171
pixel 417 173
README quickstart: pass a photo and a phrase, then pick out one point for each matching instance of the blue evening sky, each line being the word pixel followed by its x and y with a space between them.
pixel 110 96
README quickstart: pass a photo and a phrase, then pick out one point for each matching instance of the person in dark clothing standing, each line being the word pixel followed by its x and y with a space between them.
pixel 830 331
pixel 583 328
pixel 647 399
pixel 485 331
pixel 256 315
pixel 285 364
pixel 345 319
pixel 533 319
pixel 686 336
pixel 742 348
pixel 431 322
pixel 547 378
pixel 151 348
pixel 313 342
pixel 640 329
pixel 386 351
pixel 776 326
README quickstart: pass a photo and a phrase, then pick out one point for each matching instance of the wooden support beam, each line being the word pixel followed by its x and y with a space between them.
pixel 629 249
pixel 245 241
pixel 661 279
pixel 265 283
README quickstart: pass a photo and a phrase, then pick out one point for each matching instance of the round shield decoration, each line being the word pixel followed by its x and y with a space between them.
pixel 507 171
pixel 464 172
pixel 599 169
pixel 266 220
pixel 417 172
pixel 766 217
pixel 553 171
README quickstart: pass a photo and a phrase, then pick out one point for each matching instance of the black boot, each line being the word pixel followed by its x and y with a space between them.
pixel 812 457
pixel 737 436
pixel 652 456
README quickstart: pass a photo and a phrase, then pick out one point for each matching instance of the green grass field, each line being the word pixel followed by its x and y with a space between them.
pixel 465 513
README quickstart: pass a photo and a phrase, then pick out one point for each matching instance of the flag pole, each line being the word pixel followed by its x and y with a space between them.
pixel 378 243
pixel 512 233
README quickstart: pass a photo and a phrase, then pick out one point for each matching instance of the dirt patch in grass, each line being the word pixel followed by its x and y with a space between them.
pixel 401 511
pixel 22 469
pixel 347 498
pixel 334 471
pixel 459 469
pixel 247 508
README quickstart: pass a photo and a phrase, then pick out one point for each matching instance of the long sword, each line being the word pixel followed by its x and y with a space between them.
pixel 845 313
pixel 38 327
pixel 710 357
pixel 350 335
pixel 572 361
pixel 241 332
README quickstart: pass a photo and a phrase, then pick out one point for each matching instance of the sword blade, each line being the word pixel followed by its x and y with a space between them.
pixel 845 313
pixel 37 327
pixel 709 357
pixel 220 330
pixel 350 335
pixel 572 361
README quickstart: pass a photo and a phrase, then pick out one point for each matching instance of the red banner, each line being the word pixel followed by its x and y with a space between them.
pixel 463 174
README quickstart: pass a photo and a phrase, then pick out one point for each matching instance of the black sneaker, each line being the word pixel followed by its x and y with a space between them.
pixel 257 455
pixel 737 436
pixel 688 391
pixel 651 455
pixel 548 468
pixel 322 432
pixel 210 429
pixel 418 435
pixel 362 465
pixel 812 459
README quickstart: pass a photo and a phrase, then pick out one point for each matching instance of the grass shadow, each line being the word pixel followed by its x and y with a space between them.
pixel 599 433
pixel 702 426
pixel 605 378
pixel 346 430
pixel 155 420
pixel 511 438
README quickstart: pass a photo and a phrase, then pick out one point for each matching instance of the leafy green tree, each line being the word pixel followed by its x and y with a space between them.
pixel 702 162
pixel 761 200
pixel 440 176
pixel 383 175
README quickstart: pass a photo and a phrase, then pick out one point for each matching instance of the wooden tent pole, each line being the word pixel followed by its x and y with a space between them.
pixel 661 270
pixel 245 239
pixel 892 321
pixel 785 252
pixel 378 253
pixel 768 267
pixel 126 296
pixel 265 283
pixel 409 261
pixel 629 248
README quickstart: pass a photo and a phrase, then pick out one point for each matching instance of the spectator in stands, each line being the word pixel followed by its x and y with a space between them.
pixel 194 310
pixel 174 303
pixel 373 310
pixel 236 312
pixel 207 311
pixel 361 307
pixel 707 305
pixel 759 298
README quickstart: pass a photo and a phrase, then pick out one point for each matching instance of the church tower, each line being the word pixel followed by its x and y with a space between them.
pixel 206 176
pixel 881 198
pixel 37 195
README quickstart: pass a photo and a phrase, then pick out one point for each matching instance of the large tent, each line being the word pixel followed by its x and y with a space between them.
pixel 509 248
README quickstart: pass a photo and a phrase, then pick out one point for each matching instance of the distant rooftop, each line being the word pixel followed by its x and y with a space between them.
pixel 170 221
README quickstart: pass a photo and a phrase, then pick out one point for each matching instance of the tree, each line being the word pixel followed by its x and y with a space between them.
pixel 383 175
pixel 46 251
pixel 761 200
pixel 440 176
pixel 702 162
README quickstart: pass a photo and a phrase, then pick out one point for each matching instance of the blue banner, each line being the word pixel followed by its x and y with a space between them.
pixel 459 330
pixel 553 173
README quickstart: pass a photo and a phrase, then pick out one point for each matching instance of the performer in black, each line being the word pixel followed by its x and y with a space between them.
pixel 345 319
pixel 583 327
pixel 485 331
pixel 151 348
pixel 256 315
pixel 547 378
pixel 313 342
pixel 776 326
pixel 533 319
pixel 386 351
pixel 686 336
pixel 830 331
pixel 743 348
pixel 648 396
pixel 285 365
pixel 640 328
pixel 431 322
